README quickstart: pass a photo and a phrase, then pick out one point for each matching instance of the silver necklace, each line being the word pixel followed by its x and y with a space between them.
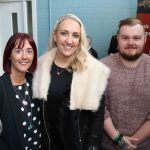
pixel 61 70
pixel 25 100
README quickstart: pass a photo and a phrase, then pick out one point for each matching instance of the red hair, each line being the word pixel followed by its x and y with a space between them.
pixel 18 39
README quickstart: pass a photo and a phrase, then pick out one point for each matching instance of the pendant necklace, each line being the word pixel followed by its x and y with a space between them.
pixel 24 102
pixel 60 71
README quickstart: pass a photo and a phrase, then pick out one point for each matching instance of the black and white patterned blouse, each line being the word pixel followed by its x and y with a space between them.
pixel 30 114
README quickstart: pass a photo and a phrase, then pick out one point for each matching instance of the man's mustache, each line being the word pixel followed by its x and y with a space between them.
pixel 131 47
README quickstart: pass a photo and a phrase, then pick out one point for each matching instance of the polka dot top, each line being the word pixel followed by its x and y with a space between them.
pixel 30 115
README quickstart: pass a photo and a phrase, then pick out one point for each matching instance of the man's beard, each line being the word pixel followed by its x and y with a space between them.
pixel 130 57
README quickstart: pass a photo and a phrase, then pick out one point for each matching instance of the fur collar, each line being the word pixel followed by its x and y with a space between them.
pixel 87 86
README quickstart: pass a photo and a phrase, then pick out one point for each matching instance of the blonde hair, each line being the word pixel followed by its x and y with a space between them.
pixel 77 63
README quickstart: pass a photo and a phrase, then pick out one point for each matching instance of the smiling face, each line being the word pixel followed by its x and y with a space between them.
pixel 131 41
pixel 21 58
pixel 67 37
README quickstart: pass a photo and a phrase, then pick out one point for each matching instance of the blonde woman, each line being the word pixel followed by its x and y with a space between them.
pixel 71 84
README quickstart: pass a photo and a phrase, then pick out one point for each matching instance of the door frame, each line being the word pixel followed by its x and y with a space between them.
pixel 25 20
pixel 34 15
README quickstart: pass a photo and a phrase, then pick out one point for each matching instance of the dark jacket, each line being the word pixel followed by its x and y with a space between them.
pixel 85 97
pixel 113 47
pixel 88 126
pixel 93 52
pixel 11 137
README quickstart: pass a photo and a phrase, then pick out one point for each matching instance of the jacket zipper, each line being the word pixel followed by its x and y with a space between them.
pixel 46 127
pixel 80 140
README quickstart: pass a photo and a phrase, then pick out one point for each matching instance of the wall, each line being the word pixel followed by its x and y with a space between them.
pixel 100 18
pixel 43 25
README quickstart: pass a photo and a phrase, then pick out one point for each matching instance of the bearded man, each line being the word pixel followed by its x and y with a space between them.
pixel 127 97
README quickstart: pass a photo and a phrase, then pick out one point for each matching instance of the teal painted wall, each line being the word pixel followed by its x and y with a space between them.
pixel 100 18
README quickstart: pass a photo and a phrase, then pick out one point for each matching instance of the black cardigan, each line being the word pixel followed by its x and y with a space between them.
pixel 11 137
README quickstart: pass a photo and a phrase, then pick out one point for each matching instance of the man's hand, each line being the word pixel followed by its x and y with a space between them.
pixel 131 142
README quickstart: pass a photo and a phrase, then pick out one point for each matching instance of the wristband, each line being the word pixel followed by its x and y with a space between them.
pixel 117 139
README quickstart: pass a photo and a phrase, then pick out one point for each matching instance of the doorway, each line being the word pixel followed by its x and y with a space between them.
pixel 15 16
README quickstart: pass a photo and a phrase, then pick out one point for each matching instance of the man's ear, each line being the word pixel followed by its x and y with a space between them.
pixel 145 38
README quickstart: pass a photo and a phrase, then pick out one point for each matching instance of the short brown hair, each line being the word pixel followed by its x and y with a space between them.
pixel 129 22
